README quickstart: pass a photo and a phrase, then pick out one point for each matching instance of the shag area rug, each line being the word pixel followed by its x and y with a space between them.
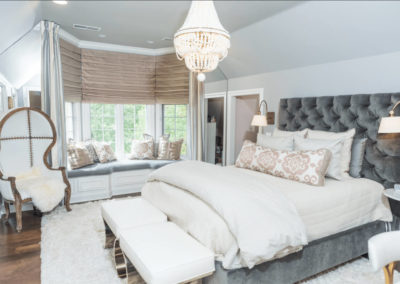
pixel 72 252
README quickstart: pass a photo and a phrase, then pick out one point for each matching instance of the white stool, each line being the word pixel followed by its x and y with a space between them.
pixel 383 252
pixel 128 213
pixel 164 254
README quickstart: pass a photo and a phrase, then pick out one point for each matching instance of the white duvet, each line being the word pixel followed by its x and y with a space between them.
pixel 264 223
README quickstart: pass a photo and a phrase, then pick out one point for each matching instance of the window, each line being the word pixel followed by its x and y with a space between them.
pixel 175 123
pixel 134 124
pixel 69 121
pixel 102 123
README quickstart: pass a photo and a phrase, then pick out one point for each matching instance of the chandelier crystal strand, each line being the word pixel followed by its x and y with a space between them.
pixel 202 41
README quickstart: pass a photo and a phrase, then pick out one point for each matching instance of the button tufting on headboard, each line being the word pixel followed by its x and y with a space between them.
pixel 340 113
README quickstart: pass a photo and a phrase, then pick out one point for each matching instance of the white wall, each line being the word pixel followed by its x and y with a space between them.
pixel 375 74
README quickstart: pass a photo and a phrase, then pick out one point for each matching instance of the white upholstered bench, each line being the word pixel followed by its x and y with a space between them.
pixel 126 214
pixel 164 254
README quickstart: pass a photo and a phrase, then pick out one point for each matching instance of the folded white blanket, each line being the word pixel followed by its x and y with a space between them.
pixel 263 221
pixel 46 192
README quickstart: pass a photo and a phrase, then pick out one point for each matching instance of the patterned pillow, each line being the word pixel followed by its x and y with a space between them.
pixel 163 148
pixel 104 152
pixel 174 151
pixel 91 150
pixel 303 166
pixel 142 149
pixel 78 156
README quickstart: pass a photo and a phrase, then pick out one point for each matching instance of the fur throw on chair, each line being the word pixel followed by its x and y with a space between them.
pixel 46 192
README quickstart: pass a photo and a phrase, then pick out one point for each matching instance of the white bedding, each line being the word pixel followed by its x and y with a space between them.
pixel 338 206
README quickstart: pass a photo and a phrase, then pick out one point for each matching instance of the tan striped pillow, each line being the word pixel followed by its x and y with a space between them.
pixel 78 156
pixel 174 150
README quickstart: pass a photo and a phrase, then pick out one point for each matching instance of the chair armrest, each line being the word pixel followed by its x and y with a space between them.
pixel 59 173
pixel 9 186
pixel 384 249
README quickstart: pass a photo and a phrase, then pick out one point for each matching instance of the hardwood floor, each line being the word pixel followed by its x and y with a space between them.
pixel 20 252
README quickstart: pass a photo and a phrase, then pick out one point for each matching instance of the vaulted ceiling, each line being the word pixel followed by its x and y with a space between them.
pixel 266 36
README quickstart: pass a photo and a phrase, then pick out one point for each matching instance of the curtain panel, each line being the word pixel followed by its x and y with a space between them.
pixel 172 80
pixel 52 88
pixel 71 71
pixel 118 78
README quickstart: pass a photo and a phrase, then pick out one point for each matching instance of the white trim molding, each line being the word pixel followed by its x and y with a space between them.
pixel 114 47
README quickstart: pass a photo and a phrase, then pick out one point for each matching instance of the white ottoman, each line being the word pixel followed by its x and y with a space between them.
pixel 164 254
pixel 128 213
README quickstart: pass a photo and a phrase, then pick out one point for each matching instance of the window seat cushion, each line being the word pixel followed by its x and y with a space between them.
pixel 117 166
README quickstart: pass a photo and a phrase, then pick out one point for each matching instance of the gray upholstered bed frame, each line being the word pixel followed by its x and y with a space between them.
pixel 381 163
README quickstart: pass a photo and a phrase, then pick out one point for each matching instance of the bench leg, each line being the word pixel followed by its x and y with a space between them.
pixel 124 267
pixel 388 270
pixel 110 238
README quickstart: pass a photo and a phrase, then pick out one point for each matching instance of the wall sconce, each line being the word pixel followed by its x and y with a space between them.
pixel 390 124
pixel 261 120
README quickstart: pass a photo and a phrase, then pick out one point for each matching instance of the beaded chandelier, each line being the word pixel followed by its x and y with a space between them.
pixel 202 41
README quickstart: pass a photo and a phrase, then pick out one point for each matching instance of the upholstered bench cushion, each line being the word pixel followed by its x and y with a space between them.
pixel 117 166
pixel 164 253
pixel 130 213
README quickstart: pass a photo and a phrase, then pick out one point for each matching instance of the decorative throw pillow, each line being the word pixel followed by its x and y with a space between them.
pixel 357 157
pixel 334 146
pixel 91 150
pixel 163 148
pixel 78 156
pixel 174 151
pixel 142 149
pixel 303 166
pixel 347 137
pixel 279 143
pixel 104 152
pixel 282 133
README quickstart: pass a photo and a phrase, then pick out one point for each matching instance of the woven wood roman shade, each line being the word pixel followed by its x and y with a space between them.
pixel 172 80
pixel 118 78
pixel 71 71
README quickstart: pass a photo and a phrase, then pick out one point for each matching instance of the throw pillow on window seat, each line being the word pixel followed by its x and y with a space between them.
pixel 78 155
pixel 104 152
pixel 174 149
pixel 91 150
pixel 163 148
pixel 142 149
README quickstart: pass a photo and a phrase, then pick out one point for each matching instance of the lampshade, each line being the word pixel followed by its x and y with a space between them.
pixel 390 124
pixel 202 41
pixel 259 120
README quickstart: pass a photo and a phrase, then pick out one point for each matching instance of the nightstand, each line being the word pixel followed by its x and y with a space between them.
pixel 394 200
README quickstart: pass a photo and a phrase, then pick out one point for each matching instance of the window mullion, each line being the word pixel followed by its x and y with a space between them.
pixel 119 131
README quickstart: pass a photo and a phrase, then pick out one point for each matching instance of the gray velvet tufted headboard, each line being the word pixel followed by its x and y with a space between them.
pixel 340 113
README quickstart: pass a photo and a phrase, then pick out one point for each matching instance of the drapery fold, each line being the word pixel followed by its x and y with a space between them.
pixel 52 88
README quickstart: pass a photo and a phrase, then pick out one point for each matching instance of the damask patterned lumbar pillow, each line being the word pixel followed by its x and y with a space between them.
pixel 78 156
pixel 303 166
pixel 142 149
pixel 174 150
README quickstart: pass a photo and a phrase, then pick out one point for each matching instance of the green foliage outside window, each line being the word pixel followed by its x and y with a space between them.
pixel 175 123
pixel 134 124
pixel 102 123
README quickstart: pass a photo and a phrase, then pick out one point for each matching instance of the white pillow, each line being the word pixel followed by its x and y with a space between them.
pixel 283 133
pixel 347 138
pixel 277 143
pixel 334 146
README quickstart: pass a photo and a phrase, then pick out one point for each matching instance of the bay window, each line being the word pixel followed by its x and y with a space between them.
pixel 134 120
pixel 175 123
pixel 102 123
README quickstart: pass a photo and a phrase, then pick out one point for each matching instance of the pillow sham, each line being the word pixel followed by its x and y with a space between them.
pixel 278 143
pixel 347 137
pixel 282 133
pixel 142 149
pixel 104 152
pixel 357 157
pixel 78 156
pixel 334 146
pixel 303 166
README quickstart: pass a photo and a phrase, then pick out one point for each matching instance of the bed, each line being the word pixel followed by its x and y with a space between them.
pixel 339 219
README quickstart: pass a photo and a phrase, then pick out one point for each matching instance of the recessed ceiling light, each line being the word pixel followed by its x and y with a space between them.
pixel 150 41
pixel 60 2
pixel 102 35
pixel 167 38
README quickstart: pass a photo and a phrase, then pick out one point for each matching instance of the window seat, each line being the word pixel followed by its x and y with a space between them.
pixel 100 181
pixel 117 166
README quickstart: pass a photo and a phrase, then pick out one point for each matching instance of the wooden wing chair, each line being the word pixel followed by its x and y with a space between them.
pixel 27 136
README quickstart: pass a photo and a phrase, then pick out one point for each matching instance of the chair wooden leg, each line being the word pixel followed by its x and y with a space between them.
pixel 7 209
pixel 388 270
pixel 18 213
pixel 67 198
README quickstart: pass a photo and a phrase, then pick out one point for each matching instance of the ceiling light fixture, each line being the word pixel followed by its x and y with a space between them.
pixel 150 41
pixel 202 41
pixel 59 2
pixel 102 35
